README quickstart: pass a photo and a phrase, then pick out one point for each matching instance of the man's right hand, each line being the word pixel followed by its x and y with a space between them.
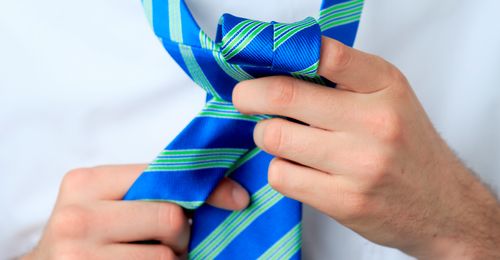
pixel 90 221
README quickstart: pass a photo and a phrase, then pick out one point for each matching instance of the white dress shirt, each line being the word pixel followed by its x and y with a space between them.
pixel 84 83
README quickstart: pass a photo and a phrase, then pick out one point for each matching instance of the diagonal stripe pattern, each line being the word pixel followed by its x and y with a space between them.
pixel 222 109
pixel 232 226
pixel 287 246
pixel 218 143
pixel 195 159
pixel 277 47
pixel 340 14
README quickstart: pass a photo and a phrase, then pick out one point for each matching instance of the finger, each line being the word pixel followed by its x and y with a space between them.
pixel 342 153
pixel 129 221
pixel 303 144
pixel 355 70
pixel 134 251
pixel 103 183
pixel 319 190
pixel 320 106
pixel 229 195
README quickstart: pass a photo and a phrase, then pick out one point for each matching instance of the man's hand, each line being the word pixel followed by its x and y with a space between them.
pixel 90 221
pixel 370 158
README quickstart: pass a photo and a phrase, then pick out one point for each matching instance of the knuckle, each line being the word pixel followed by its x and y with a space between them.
pixel 76 179
pixel 71 221
pixel 387 125
pixel 395 76
pixel 377 168
pixel 282 92
pixel 337 57
pixel 392 126
pixel 274 137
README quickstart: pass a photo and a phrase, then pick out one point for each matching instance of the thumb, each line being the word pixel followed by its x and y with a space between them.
pixel 229 195
pixel 354 70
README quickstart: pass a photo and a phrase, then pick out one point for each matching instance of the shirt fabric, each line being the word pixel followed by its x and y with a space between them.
pixel 80 79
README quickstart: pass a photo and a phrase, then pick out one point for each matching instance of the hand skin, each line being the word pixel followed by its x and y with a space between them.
pixel 89 220
pixel 370 158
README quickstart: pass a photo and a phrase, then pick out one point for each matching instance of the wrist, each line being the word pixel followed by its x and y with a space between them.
pixel 470 228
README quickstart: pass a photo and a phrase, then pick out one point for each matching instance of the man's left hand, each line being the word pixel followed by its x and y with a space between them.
pixel 370 158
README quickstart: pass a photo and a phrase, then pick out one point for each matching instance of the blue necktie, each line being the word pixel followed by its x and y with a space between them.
pixel 218 142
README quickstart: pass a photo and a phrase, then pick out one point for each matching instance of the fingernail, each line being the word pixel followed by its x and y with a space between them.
pixel 240 196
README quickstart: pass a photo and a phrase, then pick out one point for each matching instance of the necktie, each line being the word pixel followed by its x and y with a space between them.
pixel 218 142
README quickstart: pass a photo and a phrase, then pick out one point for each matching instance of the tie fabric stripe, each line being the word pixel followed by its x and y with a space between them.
pixel 221 109
pixel 235 71
pixel 283 32
pixel 206 42
pixel 241 28
pixel 340 14
pixel 218 142
pixel 240 38
pixel 196 152
pixel 195 159
pixel 253 43
pixel 195 70
pixel 243 160
pixel 309 71
pixel 339 7
pixel 174 14
pixel 286 246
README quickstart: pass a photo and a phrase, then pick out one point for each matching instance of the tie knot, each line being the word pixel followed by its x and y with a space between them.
pixel 286 48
